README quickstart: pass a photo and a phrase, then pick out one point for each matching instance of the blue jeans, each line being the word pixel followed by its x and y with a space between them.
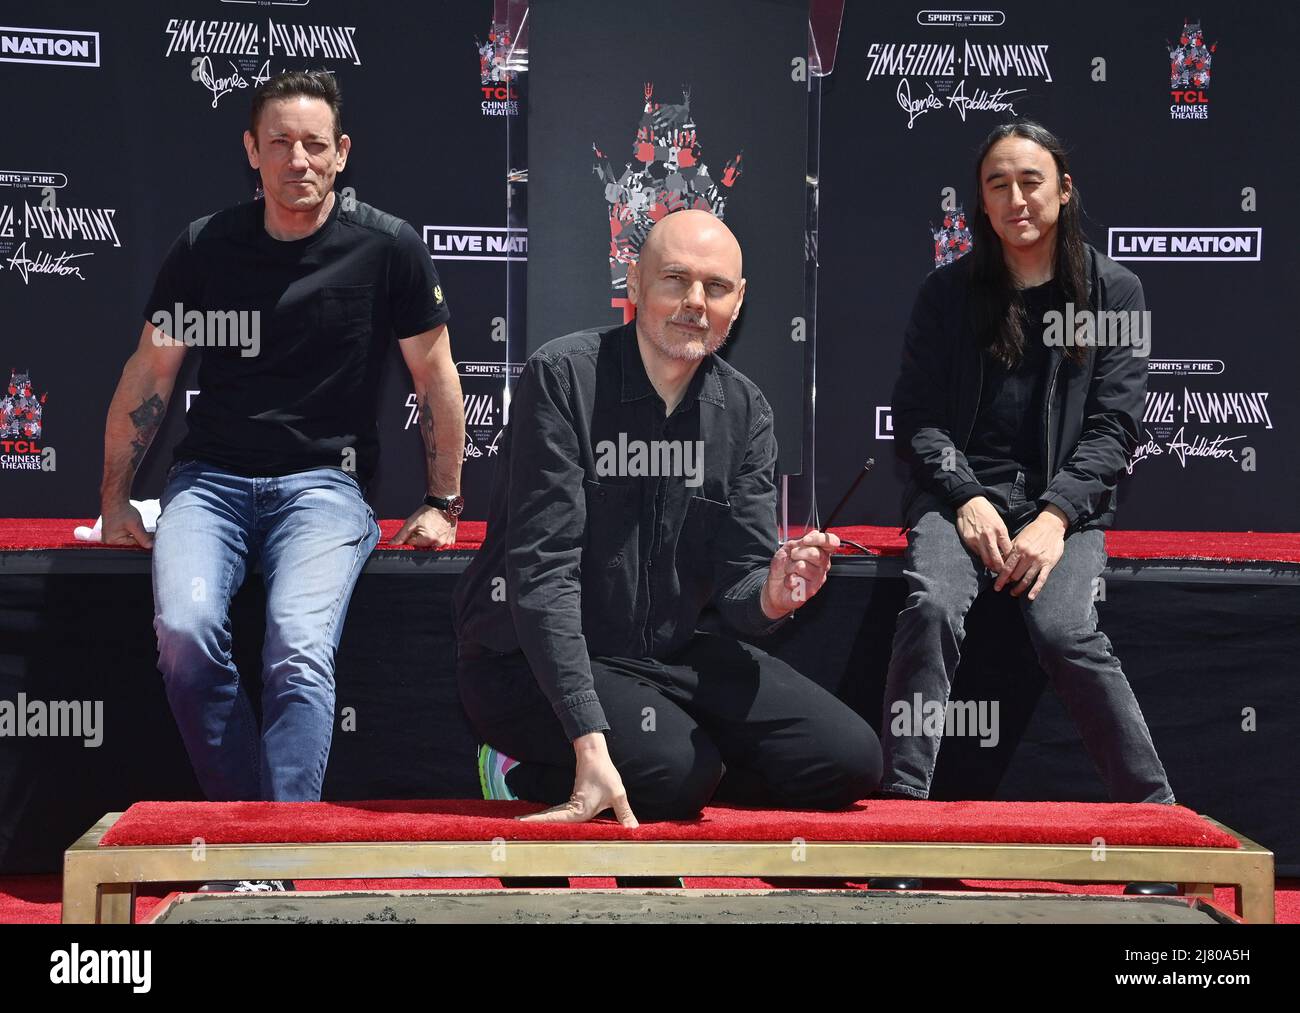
pixel 943 578
pixel 312 532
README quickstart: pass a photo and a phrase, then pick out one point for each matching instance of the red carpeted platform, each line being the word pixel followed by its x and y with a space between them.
pixel 30 533
pixel 18 534
pixel 1211 546
pixel 1228 546
pixel 1074 823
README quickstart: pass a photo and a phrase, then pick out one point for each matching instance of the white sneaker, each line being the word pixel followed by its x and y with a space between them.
pixel 248 886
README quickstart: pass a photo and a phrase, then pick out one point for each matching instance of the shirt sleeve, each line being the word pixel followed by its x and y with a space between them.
pixel 1112 423
pixel 544 539
pixel 922 401
pixel 414 289
pixel 173 283
pixel 747 537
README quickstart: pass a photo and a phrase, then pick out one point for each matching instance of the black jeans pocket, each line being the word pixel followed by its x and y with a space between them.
pixel 1016 497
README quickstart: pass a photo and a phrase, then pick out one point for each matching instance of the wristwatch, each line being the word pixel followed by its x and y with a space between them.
pixel 451 506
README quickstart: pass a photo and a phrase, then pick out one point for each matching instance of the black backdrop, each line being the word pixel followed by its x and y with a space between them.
pixel 139 134
pixel 883 181
pixel 748 116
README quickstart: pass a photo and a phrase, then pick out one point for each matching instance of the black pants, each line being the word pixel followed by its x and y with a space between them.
pixel 721 721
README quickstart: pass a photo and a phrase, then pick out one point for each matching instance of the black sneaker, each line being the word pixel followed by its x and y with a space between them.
pixel 1152 890
pixel 248 886
pixel 534 882
pixel 649 882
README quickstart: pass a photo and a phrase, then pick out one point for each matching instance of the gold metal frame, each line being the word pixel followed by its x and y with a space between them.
pixel 99 883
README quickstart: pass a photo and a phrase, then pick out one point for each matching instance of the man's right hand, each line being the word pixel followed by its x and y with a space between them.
pixel 982 529
pixel 123 525
pixel 596 787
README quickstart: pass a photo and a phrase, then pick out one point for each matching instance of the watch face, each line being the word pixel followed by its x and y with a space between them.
pixel 450 505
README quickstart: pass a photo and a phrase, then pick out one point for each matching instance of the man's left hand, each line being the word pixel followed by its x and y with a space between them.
pixel 797 572
pixel 428 527
pixel 1034 552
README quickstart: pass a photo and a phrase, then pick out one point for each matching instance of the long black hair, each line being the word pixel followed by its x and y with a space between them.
pixel 997 304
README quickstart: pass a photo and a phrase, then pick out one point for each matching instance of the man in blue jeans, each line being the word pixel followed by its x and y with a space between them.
pixel 1015 432
pixel 293 300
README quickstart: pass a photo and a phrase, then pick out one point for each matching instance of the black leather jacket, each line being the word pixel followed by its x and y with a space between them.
pixel 1092 412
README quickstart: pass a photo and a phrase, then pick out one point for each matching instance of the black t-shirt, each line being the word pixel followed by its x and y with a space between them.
pixel 1008 434
pixel 327 306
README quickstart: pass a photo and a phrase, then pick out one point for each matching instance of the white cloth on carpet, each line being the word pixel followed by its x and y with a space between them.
pixel 149 511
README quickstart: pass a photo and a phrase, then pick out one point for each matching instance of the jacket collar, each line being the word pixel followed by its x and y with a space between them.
pixel 705 384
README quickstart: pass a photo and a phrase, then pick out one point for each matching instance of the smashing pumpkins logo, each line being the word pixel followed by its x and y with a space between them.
pixel 667 173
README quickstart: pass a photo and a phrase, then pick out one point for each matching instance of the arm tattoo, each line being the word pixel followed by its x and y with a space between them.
pixel 427 431
pixel 146 419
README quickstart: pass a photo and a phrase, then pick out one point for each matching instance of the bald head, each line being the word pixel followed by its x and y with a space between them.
pixel 700 231
pixel 686 285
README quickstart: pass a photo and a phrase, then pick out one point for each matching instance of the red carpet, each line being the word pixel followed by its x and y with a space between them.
pixel 1221 546
pixel 56 533
pixel 472 820
pixel 1232 546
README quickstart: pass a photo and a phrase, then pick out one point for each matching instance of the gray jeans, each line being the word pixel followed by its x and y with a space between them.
pixel 943 578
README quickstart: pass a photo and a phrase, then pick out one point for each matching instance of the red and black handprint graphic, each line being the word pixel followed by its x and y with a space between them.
pixel 667 173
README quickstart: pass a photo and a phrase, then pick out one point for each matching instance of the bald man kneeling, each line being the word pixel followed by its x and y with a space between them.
pixel 636 487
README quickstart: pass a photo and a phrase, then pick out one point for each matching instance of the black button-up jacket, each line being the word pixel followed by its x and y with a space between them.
pixel 591 549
